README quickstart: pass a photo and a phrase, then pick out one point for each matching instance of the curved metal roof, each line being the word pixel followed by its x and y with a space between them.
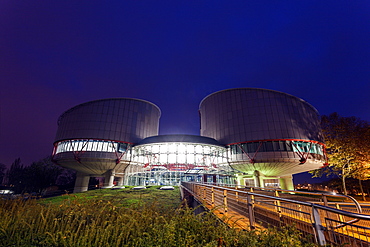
pixel 259 89
pixel 99 100
pixel 179 138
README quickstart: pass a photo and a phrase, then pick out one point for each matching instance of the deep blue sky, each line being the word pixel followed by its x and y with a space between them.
pixel 57 54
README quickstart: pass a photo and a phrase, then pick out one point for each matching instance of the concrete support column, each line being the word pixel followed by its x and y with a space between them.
pixel 240 180
pixel 82 182
pixel 120 181
pixel 258 180
pixel 286 183
pixel 108 179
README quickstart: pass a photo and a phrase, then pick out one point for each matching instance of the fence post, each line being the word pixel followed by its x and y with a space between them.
pixel 213 197
pixel 277 203
pixel 340 216
pixel 204 194
pixel 319 229
pixel 300 210
pixel 325 199
pixel 252 197
pixel 250 211
pixel 225 201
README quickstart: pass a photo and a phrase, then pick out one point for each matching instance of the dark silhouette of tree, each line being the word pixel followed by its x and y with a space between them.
pixel 34 178
pixel 2 172
pixel 66 180
pixel 15 176
pixel 347 141
pixel 40 175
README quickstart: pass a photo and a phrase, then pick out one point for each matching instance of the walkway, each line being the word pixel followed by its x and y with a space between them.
pixel 318 216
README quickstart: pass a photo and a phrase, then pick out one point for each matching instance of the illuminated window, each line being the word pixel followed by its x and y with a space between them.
pixel 172 158
pixel 181 158
pixel 190 158
pixel 190 149
pixel 172 148
pixel 163 149
pixel 181 148
pixel 272 146
pixel 199 159
pixel 199 149
pixel 162 158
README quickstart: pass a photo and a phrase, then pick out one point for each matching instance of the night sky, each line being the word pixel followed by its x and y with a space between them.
pixel 57 54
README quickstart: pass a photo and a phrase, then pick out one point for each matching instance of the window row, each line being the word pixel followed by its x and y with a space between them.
pixel 90 145
pixel 196 159
pixel 177 148
pixel 273 146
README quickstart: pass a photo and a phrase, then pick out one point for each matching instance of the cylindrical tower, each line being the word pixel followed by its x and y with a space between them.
pixel 94 138
pixel 271 135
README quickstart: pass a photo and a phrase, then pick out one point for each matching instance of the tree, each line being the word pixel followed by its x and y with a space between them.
pixel 347 144
pixel 66 179
pixel 15 176
pixel 362 171
pixel 40 175
pixel 2 172
pixel 34 178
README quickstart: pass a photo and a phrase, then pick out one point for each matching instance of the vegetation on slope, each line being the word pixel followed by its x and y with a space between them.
pixel 124 218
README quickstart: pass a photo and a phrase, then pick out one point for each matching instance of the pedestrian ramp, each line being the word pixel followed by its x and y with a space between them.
pixel 318 216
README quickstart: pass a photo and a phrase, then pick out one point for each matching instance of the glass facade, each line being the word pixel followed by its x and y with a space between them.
pixel 171 163
pixel 160 163
pixel 90 145
pixel 185 155
pixel 277 146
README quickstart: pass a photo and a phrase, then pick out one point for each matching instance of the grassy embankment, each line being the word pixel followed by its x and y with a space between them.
pixel 124 217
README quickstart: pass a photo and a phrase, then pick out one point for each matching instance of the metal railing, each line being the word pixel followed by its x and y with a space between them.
pixel 323 224
pixel 324 197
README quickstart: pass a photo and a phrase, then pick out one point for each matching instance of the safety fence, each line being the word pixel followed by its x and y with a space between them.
pixel 317 216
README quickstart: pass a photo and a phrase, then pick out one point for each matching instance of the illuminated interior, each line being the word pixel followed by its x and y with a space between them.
pixel 179 156
pixel 171 163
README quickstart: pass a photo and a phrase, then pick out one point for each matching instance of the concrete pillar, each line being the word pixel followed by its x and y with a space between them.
pixel 258 180
pixel 82 182
pixel 240 180
pixel 108 179
pixel 286 183
pixel 120 181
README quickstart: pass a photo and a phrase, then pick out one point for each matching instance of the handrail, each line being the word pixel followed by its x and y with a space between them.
pixel 358 206
pixel 318 228
pixel 333 210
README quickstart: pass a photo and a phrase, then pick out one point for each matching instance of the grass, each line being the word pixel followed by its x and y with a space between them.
pixel 123 197
pixel 125 217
